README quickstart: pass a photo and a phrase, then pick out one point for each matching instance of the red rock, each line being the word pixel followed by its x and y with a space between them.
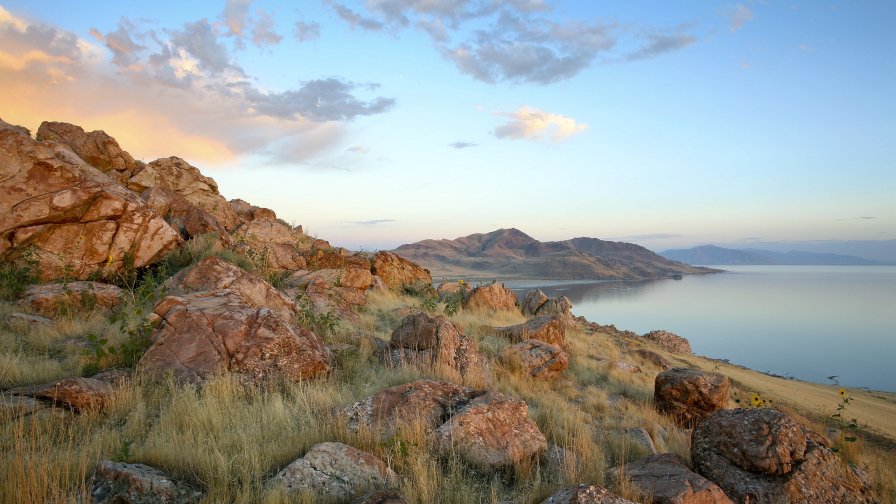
pixel 548 329
pixel 96 148
pixel 399 273
pixel 668 341
pixel 492 297
pixel 689 395
pixel 76 392
pixel 585 494
pixel 51 299
pixel 435 340
pixel 667 478
pixel 116 482
pixel 536 358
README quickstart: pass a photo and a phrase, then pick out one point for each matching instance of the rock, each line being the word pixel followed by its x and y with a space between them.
pixel 28 320
pixel 640 437
pixel 425 401
pixel 533 300
pixel 548 329
pixel 116 482
pixel 12 406
pixel 215 331
pixel 668 341
pixel 114 376
pixel 214 273
pixel 246 212
pixel 492 297
pixel 585 494
pixel 381 497
pixel 189 219
pixel 400 274
pixel 96 148
pixel 653 358
pixel 52 299
pixel 317 291
pixel 626 367
pixel 75 392
pixel 689 395
pixel 436 340
pixel 493 431
pixel 449 289
pixel 536 358
pixel 177 175
pixel 79 222
pixel 272 243
pixel 554 307
pixel 355 278
pixel 762 456
pixel 334 471
pixel 668 480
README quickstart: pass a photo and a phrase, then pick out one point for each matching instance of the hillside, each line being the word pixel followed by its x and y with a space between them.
pixel 711 254
pixel 510 253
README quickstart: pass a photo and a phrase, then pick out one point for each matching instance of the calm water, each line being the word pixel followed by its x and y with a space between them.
pixel 808 322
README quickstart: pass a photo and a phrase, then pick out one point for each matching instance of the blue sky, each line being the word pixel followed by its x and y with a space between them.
pixel 389 121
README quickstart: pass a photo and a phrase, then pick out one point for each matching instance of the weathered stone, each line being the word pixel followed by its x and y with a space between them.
pixel 533 300
pixel 667 478
pixel 536 358
pixel 548 329
pixel 585 494
pixel 492 297
pixel 448 289
pixel 399 273
pixel 627 367
pixel 52 299
pixel 425 401
pixel 96 148
pixel 28 320
pixel 247 212
pixel 668 341
pixel 215 331
pixel 189 219
pixel 653 358
pixel 334 471
pixel 762 456
pixel 689 395
pixel 12 406
pixel 492 431
pixel 78 221
pixel 436 340
pixel 272 243
pixel 116 482
pixel 556 307
pixel 75 392
pixel 381 497
pixel 355 278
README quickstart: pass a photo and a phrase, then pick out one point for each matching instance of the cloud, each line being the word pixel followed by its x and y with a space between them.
pixel 738 16
pixel 528 123
pixel 655 236
pixel 125 51
pixel 864 217
pixel 304 32
pixel 263 33
pixel 319 100
pixel 236 13
pixel 354 19
pixel 371 222
pixel 198 39
pixel 462 145
pixel 659 43
pixel 358 149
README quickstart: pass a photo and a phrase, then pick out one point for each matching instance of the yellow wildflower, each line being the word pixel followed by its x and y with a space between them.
pixel 842 392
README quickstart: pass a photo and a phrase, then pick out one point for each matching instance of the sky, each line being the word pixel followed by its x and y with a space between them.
pixel 381 122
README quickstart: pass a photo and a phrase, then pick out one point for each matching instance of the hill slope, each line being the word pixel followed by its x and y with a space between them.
pixel 510 253
pixel 711 254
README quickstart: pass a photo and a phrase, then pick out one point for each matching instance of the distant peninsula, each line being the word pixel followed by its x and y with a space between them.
pixel 511 253
pixel 719 256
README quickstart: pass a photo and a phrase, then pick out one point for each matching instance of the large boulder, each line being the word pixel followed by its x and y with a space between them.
pixel 548 329
pixel 585 494
pixel 334 471
pixel 763 456
pixel 78 221
pixel 653 358
pixel 437 341
pixel 210 332
pixel 189 219
pixel 667 478
pixel 427 402
pixel 533 300
pixel 177 175
pixel 493 431
pixel 400 274
pixel 668 341
pixel 459 290
pixel 54 299
pixel 117 482
pixel 492 297
pixel 96 148
pixel 246 212
pixel 272 244
pixel 689 395
pixel 76 392
pixel 536 358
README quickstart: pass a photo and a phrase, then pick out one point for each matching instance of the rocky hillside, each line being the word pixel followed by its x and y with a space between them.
pixel 510 253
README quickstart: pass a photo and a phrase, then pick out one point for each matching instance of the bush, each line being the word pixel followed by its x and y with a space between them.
pixel 18 270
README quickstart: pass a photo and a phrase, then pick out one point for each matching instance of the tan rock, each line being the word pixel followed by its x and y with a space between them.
pixel 216 331
pixel 536 358
pixel 448 289
pixel 75 392
pixel 668 341
pixel 189 219
pixel 492 297
pixel 585 494
pixel 272 244
pixel 96 148
pixel 52 299
pixel 381 497
pixel 334 471
pixel 399 273
pixel 689 395
pixel 437 341
pixel 653 358
pixel 548 329
pixel 12 406
pixel 117 482
pixel 493 431
pixel 247 212
pixel 355 278
pixel 558 306
pixel 79 221
pixel 533 300
pixel 667 478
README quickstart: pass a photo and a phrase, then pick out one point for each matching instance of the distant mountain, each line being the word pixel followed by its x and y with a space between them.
pixel 711 254
pixel 510 253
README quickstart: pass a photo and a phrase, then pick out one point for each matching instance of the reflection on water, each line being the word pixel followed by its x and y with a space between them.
pixel 808 322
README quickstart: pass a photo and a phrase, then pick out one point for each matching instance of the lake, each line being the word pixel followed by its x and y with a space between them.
pixel 806 322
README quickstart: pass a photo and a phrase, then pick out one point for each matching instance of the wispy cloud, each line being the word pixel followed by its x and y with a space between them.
pixel 373 222
pixel 304 32
pixel 528 123
pixel 864 217
pixel 738 16
pixel 659 43
pixel 655 236
pixel 462 145
pixel 358 149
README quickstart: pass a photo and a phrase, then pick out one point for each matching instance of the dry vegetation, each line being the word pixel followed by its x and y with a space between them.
pixel 228 438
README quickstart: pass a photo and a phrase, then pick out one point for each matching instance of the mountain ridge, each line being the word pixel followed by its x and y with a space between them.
pixel 715 255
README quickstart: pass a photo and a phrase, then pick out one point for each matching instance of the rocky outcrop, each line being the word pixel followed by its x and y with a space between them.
pixel 422 338
pixel 246 211
pixel 78 221
pixel 189 219
pixel 493 431
pixel 555 307
pixel 75 392
pixel 548 329
pixel 653 358
pixel 426 402
pixel 689 395
pixel 400 274
pixel 492 297
pixel 381 497
pixel 53 299
pixel 668 341
pixel 327 291
pixel 178 176
pixel 536 358
pixel 96 148
pixel 13 406
pixel 459 289
pixel 763 456
pixel 533 300
pixel 585 494
pixel 334 471
pixel 272 244
pixel 667 478
pixel 116 482
pixel 216 331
